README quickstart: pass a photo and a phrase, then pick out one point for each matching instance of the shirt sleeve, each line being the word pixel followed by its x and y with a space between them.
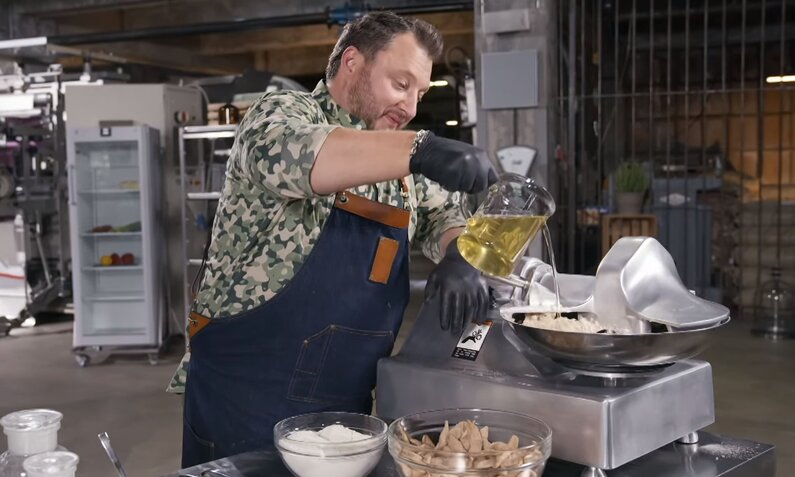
pixel 177 384
pixel 278 142
pixel 438 211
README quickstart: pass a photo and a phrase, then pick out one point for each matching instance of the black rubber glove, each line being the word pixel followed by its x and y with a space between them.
pixel 461 290
pixel 455 165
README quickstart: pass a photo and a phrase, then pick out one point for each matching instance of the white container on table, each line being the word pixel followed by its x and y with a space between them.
pixel 52 464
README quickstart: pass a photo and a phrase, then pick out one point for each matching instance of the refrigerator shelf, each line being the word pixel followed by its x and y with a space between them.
pixel 110 192
pixel 114 297
pixel 114 268
pixel 114 332
pixel 111 234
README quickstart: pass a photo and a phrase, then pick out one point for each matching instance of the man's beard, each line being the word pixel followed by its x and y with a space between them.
pixel 362 101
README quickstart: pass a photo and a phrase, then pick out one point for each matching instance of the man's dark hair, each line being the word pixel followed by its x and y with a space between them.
pixel 373 33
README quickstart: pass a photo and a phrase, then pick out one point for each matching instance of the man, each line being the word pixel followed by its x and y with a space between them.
pixel 307 272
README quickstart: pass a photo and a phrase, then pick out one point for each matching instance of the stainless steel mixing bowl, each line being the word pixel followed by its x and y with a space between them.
pixel 606 353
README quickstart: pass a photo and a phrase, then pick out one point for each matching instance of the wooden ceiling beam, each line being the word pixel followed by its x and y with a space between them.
pixel 59 8
pixel 181 59
pixel 290 63
pixel 273 39
pixel 313 35
pixel 306 61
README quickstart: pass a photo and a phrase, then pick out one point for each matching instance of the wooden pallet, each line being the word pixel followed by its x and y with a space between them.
pixel 615 226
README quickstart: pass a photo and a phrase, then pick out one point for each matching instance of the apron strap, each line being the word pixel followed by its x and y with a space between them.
pixel 375 211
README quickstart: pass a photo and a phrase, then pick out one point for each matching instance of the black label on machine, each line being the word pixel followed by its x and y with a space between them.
pixel 471 341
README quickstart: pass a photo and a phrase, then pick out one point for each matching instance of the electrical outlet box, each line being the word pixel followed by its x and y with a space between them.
pixel 506 21
pixel 509 79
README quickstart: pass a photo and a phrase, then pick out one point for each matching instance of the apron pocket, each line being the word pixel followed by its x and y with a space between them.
pixel 195 450
pixel 338 365
pixel 384 259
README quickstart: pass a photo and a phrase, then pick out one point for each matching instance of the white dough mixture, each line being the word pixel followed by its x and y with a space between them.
pixel 549 321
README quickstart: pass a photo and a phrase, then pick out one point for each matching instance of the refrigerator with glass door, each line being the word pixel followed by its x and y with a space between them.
pixel 114 197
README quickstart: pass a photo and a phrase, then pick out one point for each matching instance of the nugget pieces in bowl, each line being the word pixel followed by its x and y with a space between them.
pixel 483 443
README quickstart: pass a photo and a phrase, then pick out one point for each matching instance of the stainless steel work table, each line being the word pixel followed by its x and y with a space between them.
pixel 713 456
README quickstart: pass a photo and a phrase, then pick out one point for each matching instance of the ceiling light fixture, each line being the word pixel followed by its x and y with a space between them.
pixel 439 83
pixel 451 122
pixel 781 79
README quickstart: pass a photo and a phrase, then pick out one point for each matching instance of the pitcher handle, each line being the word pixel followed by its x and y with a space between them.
pixel 465 205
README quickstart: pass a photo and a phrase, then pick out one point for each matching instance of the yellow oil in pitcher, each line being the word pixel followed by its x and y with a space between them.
pixel 492 243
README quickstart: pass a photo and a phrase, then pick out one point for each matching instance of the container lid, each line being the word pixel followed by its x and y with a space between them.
pixel 51 462
pixel 31 419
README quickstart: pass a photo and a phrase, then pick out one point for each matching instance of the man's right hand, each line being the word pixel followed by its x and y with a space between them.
pixel 455 165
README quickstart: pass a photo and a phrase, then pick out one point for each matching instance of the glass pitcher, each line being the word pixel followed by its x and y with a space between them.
pixel 504 224
pixel 774 316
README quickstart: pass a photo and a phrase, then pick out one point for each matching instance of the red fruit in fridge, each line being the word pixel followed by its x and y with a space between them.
pixel 115 259
pixel 128 259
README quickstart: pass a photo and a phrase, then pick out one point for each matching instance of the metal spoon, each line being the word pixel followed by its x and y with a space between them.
pixel 105 441
pixel 206 473
pixel 213 473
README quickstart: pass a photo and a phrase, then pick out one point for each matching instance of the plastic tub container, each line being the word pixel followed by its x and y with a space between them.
pixel 32 431
pixel 51 464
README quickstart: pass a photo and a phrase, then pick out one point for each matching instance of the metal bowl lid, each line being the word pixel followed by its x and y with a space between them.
pixel 51 462
pixel 31 419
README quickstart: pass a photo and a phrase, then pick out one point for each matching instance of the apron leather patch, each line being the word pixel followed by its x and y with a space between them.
pixel 384 258
pixel 196 323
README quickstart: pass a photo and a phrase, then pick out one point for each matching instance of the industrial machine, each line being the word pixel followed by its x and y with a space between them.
pixel 33 186
pixel 35 264
pixel 609 398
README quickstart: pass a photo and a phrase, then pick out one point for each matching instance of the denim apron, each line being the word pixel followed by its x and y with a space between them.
pixel 313 347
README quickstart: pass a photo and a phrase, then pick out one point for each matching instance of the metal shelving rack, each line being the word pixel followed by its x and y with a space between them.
pixel 186 134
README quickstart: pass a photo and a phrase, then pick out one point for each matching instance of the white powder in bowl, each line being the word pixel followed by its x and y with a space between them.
pixel 339 433
pixel 328 452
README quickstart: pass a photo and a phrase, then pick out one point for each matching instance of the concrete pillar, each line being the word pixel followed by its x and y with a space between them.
pixel 532 126
pixel 15 25
pixel 5 19
pixel 6 67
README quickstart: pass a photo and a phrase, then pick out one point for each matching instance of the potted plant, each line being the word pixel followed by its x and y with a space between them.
pixel 631 184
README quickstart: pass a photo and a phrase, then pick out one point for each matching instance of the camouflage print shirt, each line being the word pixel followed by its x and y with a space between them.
pixel 269 219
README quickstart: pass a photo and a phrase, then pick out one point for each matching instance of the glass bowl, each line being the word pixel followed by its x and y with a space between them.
pixel 526 444
pixel 318 458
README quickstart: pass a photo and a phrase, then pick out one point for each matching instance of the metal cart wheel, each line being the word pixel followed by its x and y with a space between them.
pixel 82 360
pixel 5 326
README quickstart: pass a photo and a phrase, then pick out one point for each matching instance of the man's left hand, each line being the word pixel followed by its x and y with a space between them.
pixel 461 290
